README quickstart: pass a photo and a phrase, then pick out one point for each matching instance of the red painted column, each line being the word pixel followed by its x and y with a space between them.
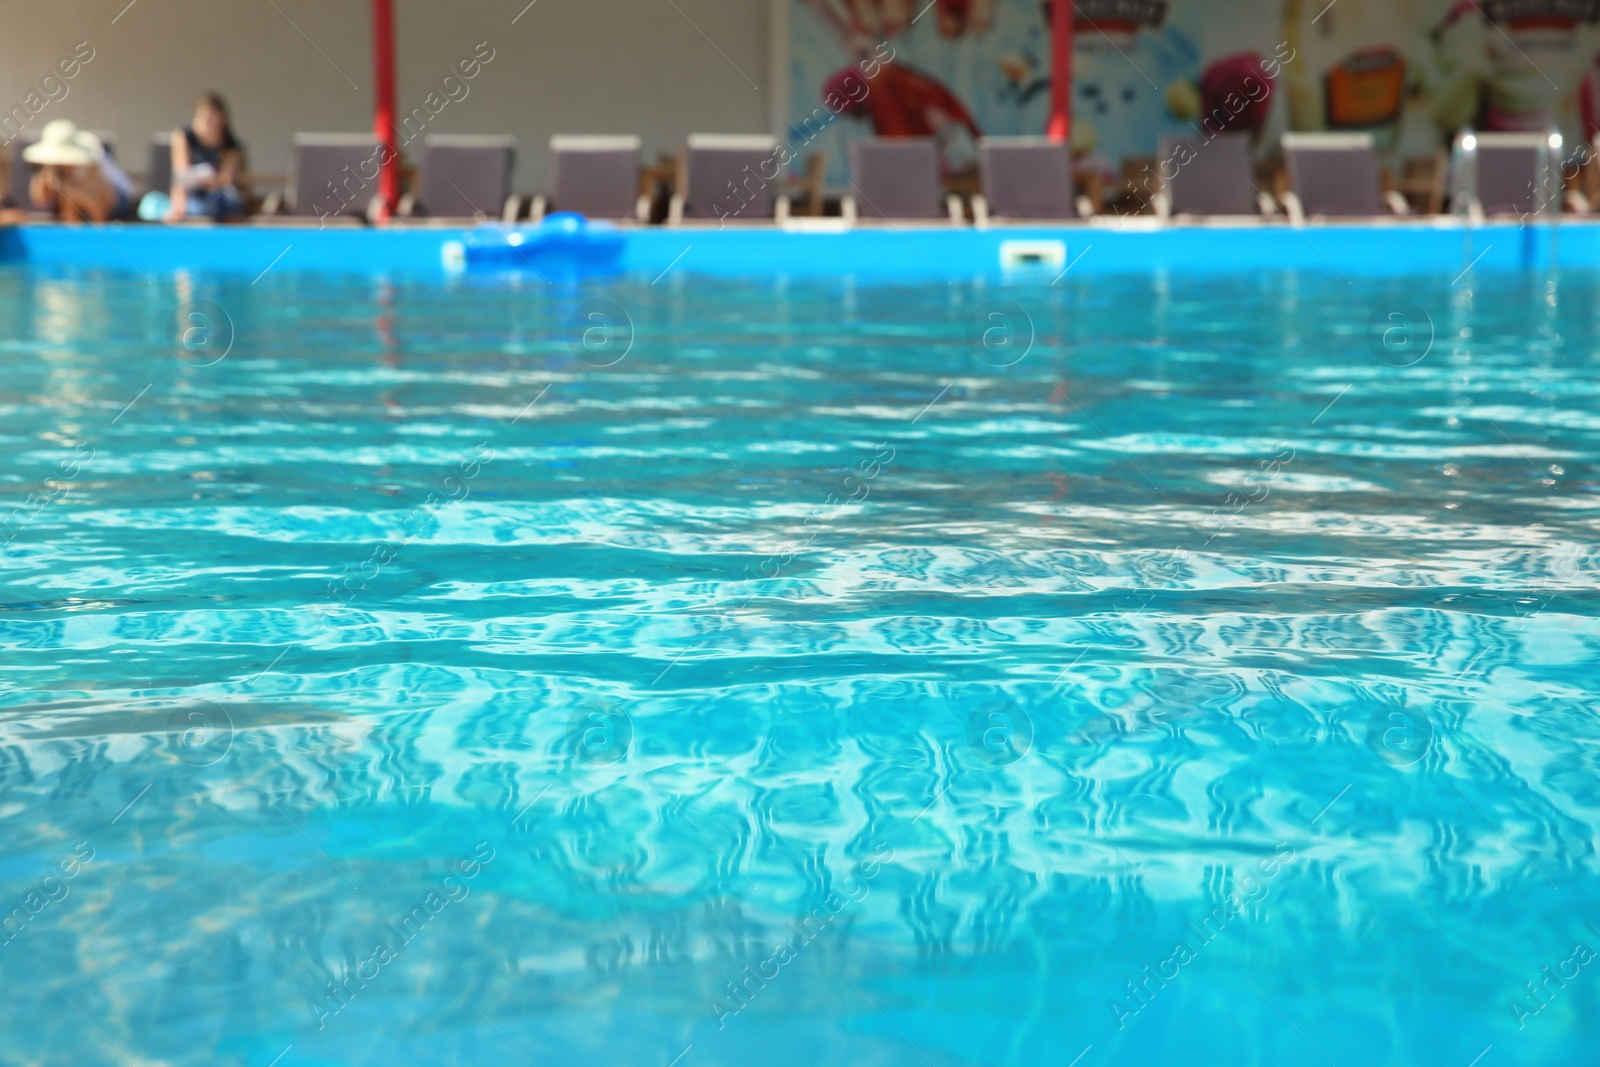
pixel 1060 127
pixel 383 113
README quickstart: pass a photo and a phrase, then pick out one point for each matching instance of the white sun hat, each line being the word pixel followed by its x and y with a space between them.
pixel 62 144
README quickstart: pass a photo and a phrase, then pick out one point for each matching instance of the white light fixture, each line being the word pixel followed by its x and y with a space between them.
pixel 1469 142
pixel 1555 142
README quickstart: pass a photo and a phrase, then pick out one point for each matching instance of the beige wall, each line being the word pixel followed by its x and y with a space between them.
pixel 565 66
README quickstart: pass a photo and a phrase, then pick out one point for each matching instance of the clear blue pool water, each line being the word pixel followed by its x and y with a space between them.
pixel 1135 670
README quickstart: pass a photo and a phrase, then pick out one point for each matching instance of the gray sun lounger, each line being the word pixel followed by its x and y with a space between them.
pixel 728 177
pixel 159 179
pixel 897 178
pixel 332 177
pixel 1335 174
pixel 1025 179
pixel 21 172
pixel 464 176
pixel 1505 174
pixel 596 176
pixel 1214 177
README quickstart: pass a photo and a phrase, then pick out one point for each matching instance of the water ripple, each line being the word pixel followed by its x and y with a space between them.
pixel 801 688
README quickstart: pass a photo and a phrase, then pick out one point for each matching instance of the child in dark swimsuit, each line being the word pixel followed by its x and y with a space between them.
pixel 205 165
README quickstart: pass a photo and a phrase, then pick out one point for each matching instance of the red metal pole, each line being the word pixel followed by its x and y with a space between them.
pixel 383 113
pixel 1060 127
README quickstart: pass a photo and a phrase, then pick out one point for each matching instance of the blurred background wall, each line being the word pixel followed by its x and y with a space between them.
pixel 565 66
pixel 1412 72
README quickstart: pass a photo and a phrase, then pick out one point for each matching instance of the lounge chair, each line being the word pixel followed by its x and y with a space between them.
pixel 897 178
pixel 812 186
pixel 596 176
pixel 159 179
pixel 464 177
pixel 1422 182
pixel 19 172
pixel 1212 177
pixel 1335 174
pixel 1025 179
pixel 332 177
pixel 1504 174
pixel 723 177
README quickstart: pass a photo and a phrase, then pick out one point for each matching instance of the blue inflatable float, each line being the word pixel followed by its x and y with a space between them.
pixel 563 244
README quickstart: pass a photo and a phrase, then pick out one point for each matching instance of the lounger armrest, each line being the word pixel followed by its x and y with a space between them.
pixel 1396 203
pixel 1577 203
pixel 272 203
pixel 1265 205
pixel 675 210
pixel 407 207
pixel 513 209
pixel 1294 209
pixel 780 209
pixel 1162 202
pixel 1085 206
pixel 847 208
pixel 641 209
pixel 980 211
pixel 953 208
pixel 374 211
pixel 539 208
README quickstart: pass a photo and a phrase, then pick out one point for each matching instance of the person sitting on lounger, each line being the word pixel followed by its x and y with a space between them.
pixel 76 180
pixel 205 165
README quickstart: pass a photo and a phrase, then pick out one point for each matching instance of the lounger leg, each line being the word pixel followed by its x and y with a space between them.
pixel 1294 209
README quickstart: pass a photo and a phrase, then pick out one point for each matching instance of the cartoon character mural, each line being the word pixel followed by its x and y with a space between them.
pixel 1355 65
pixel 963 68
pixel 959 69
pixel 1412 72
pixel 1235 92
pixel 1125 52
pixel 1514 64
pixel 1589 101
pixel 901 100
pixel 1242 57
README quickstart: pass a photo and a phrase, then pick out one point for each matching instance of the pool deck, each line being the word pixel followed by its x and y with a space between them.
pixel 1401 247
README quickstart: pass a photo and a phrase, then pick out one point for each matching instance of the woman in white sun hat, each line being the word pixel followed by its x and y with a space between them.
pixel 76 179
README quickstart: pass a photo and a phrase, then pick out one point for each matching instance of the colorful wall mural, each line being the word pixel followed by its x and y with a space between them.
pixel 1413 72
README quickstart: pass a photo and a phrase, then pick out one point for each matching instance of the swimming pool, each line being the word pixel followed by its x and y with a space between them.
pixel 1136 669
